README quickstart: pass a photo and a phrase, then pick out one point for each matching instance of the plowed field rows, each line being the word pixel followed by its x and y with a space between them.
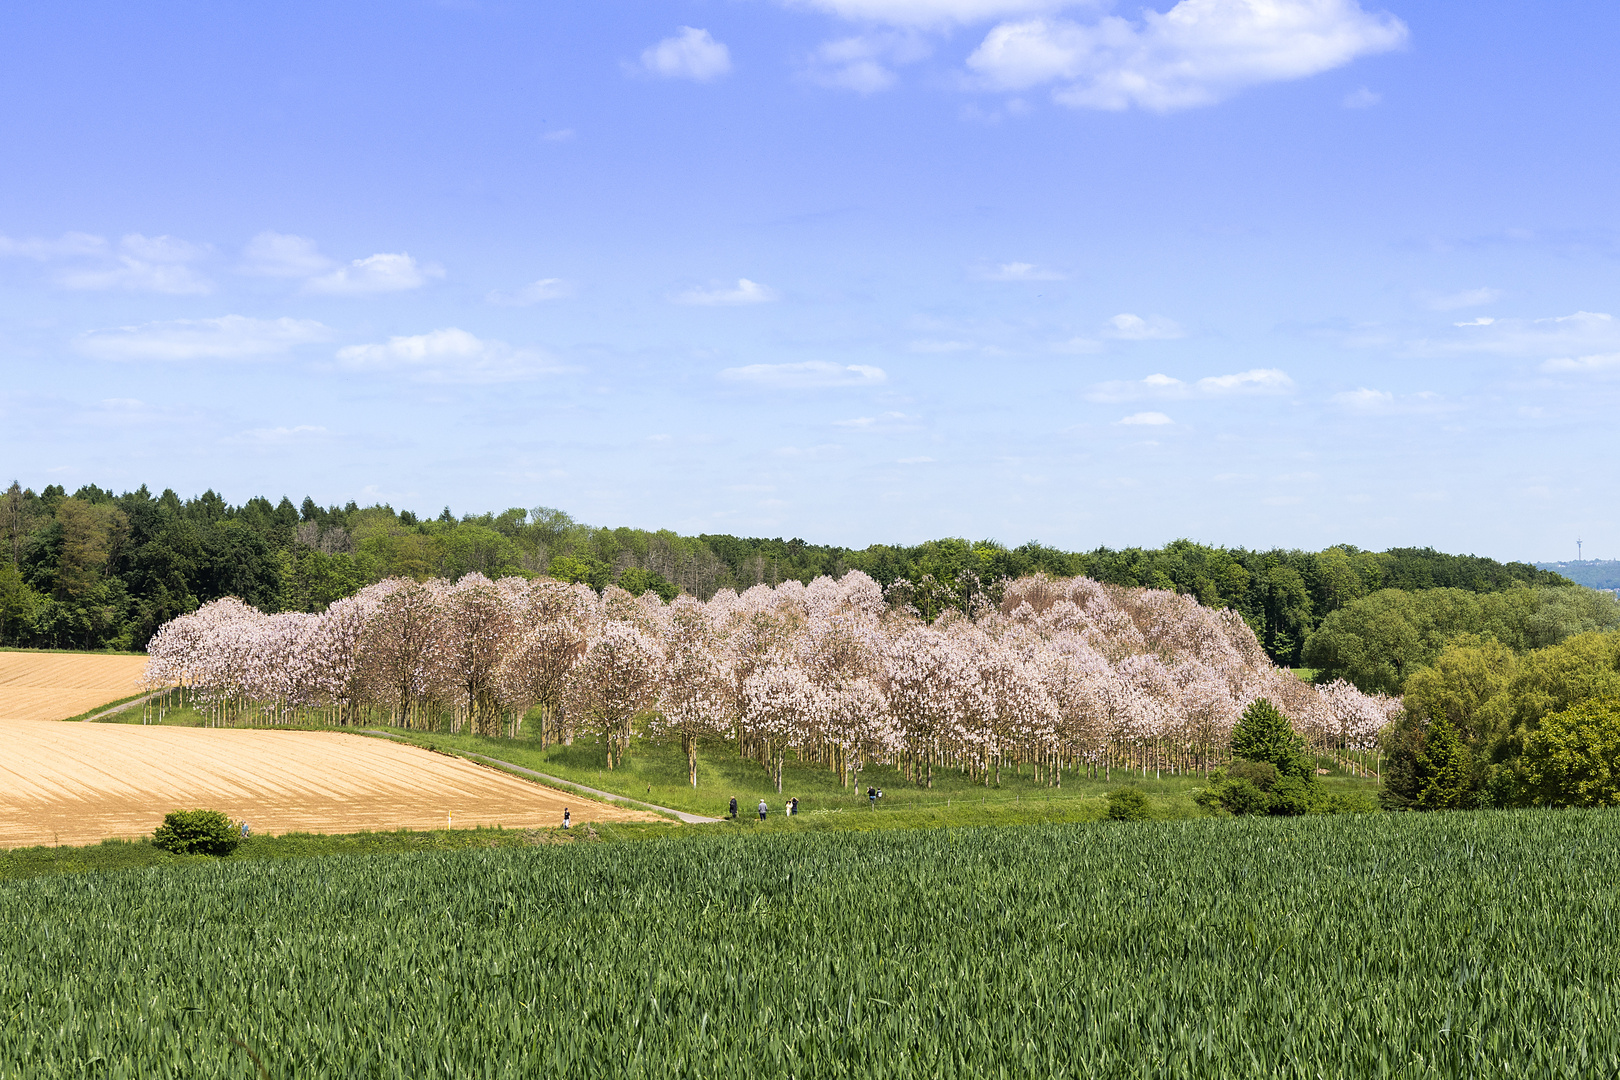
pixel 81 783
pixel 54 686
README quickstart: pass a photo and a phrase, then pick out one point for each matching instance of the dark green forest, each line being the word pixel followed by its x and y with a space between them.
pixel 95 570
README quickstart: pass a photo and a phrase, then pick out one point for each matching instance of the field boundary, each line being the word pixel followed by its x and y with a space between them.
pixel 560 783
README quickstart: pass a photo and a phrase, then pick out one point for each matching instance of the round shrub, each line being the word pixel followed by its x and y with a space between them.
pixel 197 832
pixel 1127 804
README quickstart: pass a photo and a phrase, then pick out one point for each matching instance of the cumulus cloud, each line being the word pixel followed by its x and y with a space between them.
pixel 1197 53
pixel 534 293
pixel 1128 327
pixel 690 54
pixel 931 13
pixel 1164 387
pixel 1466 298
pixel 1021 271
pixel 230 337
pixel 1145 419
pixel 160 264
pixel 811 374
pixel 746 292
pixel 282 255
pixel 1583 333
pixel 448 356
pixel 380 273
pixel 67 246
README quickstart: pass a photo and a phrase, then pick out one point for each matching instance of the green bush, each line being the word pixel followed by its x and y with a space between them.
pixel 1127 804
pixel 1573 758
pixel 1264 734
pixel 1233 795
pixel 197 832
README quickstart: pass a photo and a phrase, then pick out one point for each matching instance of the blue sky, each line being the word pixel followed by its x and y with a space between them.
pixel 1262 272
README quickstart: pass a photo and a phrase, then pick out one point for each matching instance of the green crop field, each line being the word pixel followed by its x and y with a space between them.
pixel 1479 945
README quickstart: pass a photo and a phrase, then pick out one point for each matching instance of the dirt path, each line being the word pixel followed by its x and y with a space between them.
pixel 55 686
pixel 81 783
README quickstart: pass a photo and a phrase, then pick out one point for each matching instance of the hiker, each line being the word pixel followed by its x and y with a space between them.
pixel 246 832
pixel 734 808
pixel 762 809
pixel 567 819
pixel 871 796
pixel 793 806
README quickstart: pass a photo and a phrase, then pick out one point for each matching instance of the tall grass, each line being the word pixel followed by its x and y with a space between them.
pixel 1481 945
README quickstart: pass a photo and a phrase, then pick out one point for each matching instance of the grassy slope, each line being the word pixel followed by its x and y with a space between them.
pixel 656 773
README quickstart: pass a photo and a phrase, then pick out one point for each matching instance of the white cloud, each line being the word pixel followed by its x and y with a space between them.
pixel 1466 298
pixel 915 461
pixel 448 356
pixel 1078 345
pixel 930 345
pixel 560 135
pixel 883 422
pixel 923 13
pixel 278 436
pixel 380 273
pixel 1583 333
pixel 1383 403
pixel 1166 387
pixel 1197 53
pixel 1146 419
pixel 1128 327
pixel 810 374
pixel 1021 271
pixel 1362 98
pixel 864 63
pixel 69 245
pixel 1483 320
pixel 1583 364
pixel 821 451
pixel 1256 381
pixel 690 54
pixel 535 292
pixel 231 337
pixel 746 292
pixel 273 254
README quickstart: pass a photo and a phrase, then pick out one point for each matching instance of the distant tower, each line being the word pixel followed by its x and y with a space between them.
pixel 1577 551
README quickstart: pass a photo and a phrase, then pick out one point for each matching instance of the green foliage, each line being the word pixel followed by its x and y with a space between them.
pixel 197 832
pixel 1264 734
pixel 1206 948
pixel 1379 641
pixel 1573 757
pixel 1127 804
pixel 1443 772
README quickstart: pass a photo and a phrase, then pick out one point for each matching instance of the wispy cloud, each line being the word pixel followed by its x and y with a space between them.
pixel 1197 53
pixel 450 355
pixel 745 292
pixel 278 436
pixel 1583 333
pixel 1128 327
pixel 1583 364
pixel 1145 419
pixel 930 13
pixel 157 264
pixel 690 54
pixel 282 255
pixel 1361 98
pixel 864 63
pixel 381 273
pixel 811 374
pixel 1165 387
pixel 1465 298
pixel 1020 271
pixel 533 293
pixel 1370 402
pixel 883 422
pixel 230 337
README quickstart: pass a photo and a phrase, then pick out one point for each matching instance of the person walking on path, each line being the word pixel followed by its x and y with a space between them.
pixel 567 819
pixel 762 809
pixel 734 808
pixel 793 806
pixel 871 797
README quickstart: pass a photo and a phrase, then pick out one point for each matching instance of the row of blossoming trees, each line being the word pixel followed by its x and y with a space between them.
pixel 1063 675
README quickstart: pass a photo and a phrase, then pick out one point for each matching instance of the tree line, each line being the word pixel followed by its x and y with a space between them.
pixel 97 570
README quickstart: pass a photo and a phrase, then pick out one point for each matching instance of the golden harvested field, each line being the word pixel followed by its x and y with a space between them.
pixel 81 783
pixel 54 686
